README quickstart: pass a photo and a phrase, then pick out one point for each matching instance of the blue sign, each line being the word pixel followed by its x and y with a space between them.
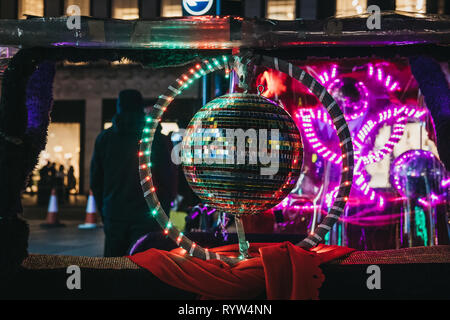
pixel 197 7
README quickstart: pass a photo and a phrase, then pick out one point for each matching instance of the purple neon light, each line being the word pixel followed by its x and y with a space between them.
pixel 370 70
pixel 137 244
pixel 330 79
pixel 331 82
pixel 363 186
pixel 306 123
pixel 445 183
pixel 202 210
pixel 382 77
pixel 289 202
pixel 360 106
pixel 435 200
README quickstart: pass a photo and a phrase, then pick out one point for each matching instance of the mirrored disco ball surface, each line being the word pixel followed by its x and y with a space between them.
pixel 417 173
pixel 242 153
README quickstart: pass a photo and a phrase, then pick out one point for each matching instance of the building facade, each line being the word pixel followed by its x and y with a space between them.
pixel 272 9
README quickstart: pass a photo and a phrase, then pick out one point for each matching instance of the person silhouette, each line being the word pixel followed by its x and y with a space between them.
pixel 71 180
pixel 115 181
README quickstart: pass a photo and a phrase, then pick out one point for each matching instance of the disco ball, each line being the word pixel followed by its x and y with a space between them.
pixel 233 158
pixel 417 173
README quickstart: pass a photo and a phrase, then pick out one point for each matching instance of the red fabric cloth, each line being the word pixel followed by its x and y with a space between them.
pixel 283 270
pixel 258 223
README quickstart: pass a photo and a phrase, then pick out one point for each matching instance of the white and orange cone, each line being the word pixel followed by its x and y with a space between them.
pixel 52 212
pixel 91 219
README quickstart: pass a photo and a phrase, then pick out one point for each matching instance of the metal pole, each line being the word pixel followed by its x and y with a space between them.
pixel 243 244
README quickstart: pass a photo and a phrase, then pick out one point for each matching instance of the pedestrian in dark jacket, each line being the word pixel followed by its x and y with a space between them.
pixel 115 177
pixel 71 179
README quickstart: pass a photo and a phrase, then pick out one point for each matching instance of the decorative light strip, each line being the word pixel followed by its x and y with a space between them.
pixel 384 78
pixel 307 116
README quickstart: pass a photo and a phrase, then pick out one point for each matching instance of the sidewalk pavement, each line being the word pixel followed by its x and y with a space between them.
pixel 68 240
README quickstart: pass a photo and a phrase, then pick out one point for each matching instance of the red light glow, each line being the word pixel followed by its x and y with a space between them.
pixel 273 83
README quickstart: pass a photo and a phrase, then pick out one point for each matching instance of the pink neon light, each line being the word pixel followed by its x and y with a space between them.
pixel 333 72
pixel 370 70
pixel 307 116
pixel 378 155
pixel 388 80
pixel 322 80
pixel 382 76
pixel 373 220
pixel 445 183
pixel 392 88
pixel 423 202
pixel 360 106
pixel 399 114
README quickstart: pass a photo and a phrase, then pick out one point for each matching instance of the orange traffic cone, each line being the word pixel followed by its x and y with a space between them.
pixel 52 212
pixel 91 211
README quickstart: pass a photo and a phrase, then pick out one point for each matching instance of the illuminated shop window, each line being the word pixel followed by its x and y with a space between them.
pixel 171 8
pixel 418 6
pixel 30 7
pixel 281 9
pixel 83 4
pixel 125 9
pixel 350 7
pixel 62 148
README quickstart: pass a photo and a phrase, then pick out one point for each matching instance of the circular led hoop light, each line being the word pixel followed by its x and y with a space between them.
pixel 182 83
